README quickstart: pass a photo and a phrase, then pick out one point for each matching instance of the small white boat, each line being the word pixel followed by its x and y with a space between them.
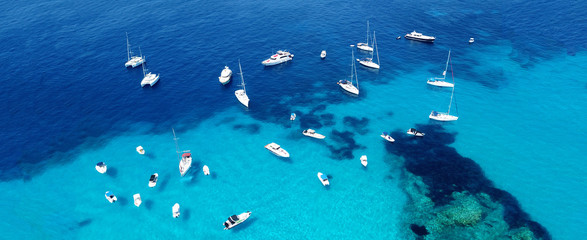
pixel 368 62
pixel 277 150
pixel 398 37
pixel 471 40
pixel 137 198
pixel 439 81
pixel 365 46
pixel 348 85
pixel 311 133
pixel 101 167
pixel 140 150
pixel 153 180
pixel 323 179
pixel 292 116
pixel 186 158
pixel 225 75
pixel 387 137
pixel 175 210
pixel 132 61
pixel 110 197
pixel 323 54
pixel 206 170
pixel 236 220
pixel 364 160
pixel 241 94
pixel 149 78
pixel 277 58
pixel 413 131
pixel 419 37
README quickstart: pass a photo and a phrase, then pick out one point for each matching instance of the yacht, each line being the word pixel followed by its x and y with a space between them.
pixel 413 131
pixel 132 61
pixel 175 210
pixel 364 160
pixel 323 54
pixel 471 40
pixel 323 179
pixel 149 78
pixel 153 180
pixel 387 137
pixel 440 81
pixel 443 117
pixel 206 170
pixel 419 37
pixel 186 158
pixel 277 58
pixel 140 150
pixel 365 46
pixel 137 198
pixel 311 133
pixel 348 85
pixel 225 75
pixel 277 150
pixel 236 220
pixel 110 197
pixel 101 167
pixel 241 94
pixel 368 62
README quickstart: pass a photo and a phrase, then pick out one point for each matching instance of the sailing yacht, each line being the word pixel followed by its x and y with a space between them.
pixel 241 94
pixel 348 85
pixel 186 158
pixel 368 62
pixel 445 117
pixel 132 61
pixel 365 46
pixel 149 78
pixel 439 82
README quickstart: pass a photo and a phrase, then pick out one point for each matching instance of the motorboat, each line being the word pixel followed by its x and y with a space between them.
pixel 440 81
pixel 149 78
pixel 348 85
pixel 368 62
pixel 292 116
pixel 137 198
pixel 365 46
pixel 206 170
pixel 175 210
pixel 387 137
pixel 443 117
pixel 241 94
pixel 323 54
pixel 101 167
pixel 236 220
pixel 364 160
pixel 471 40
pixel 225 75
pixel 323 179
pixel 280 56
pixel 413 131
pixel 277 150
pixel 153 180
pixel 110 197
pixel 311 133
pixel 132 61
pixel 185 163
pixel 140 150
pixel 398 37
pixel 419 37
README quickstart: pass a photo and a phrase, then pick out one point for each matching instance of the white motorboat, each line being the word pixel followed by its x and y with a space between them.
pixel 206 170
pixel 398 37
pixel 186 158
pixel 365 46
pixel 419 37
pixel 364 160
pixel 348 85
pixel 153 180
pixel 413 131
pixel 132 61
pixel 368 62
pixel 137 198
pixel 387 137
pixel 323 54
pixel 311 133
pixel 277 150
pixel 292 116
pixel 323 179
pixel 225 75
pixel 471 40
pixel 101 167
pixel 175 210
pixel 241 94
pixel 277 58
pixel 236 220
pixel 140 150
pixel 446 117
pixel 110 197
pixel 149 78
pixel 439 81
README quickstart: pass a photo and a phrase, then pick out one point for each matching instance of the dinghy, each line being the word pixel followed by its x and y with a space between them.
pixel 153 180
pixel 387 137
pixel 206 170
pixel 364 160
pixel 323 54
pixel 175 210
pixel 323 179
pixel 110 197
pixel 101 167
pixel 137 198
pixel 140 150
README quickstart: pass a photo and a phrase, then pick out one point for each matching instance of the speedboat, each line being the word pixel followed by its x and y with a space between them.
pixel 348 86
pixel 277 58
pixel 110 197
pixel 323 54
pixel 140 150
pixel 137 198
pixel 368 62
pixel 206 170
pixel 413 131
pixel 153 180
pixel 236 220
pixel 185 163
pixel 311 133
pixel 101 167
pixel 277 150
pixel 364 160
pixel 419 37
pixel 225 75
pixel 323 179
pixel 292 116
pixel 387 137
pixel 444 117
pixel 175 210
pixel 471 40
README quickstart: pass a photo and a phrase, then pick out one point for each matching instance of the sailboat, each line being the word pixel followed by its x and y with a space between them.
pixel 186 158
pixel 446 117
pixel 365 46
pixel 439 82
pixel 149 78
pixel 132 61
pixel 368 62
pixel 241 94
pixel 346 84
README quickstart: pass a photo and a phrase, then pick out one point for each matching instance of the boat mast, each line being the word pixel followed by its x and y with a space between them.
pixel 367 32
pixel 446 67
pixel 144 71
pixel 376 49
pixel 127 47
pixel 453 88
pixel 242 78
pixel 176 145
pixel 353 68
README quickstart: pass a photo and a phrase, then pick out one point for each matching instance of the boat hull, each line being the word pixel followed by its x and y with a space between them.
pixel 225 76
pixel 314 135
pixel 348 87
pixel 388 138
pixel 241 218
pixel 364 47
pixel 279 152
pixel 443 117
pixel 364 160
pixel 439 83
pixel 242 97
pixel 323 54
pixel 206 170
pixel 137 199
pixel 427 40
pixel 324 182
pixel 369 64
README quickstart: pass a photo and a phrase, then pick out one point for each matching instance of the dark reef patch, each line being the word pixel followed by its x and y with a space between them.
pixel 359 125
pixel 345 145
pixel 419 230
pixel 250 128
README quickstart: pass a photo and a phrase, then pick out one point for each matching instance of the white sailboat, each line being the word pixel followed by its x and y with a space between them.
pixel 132 61
pixel 241 94
pixel 445 117
pixel 439 82
pixel 186 158
pixel 348 85
pixel 365 46
pixel 368 62
pixel 149 78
